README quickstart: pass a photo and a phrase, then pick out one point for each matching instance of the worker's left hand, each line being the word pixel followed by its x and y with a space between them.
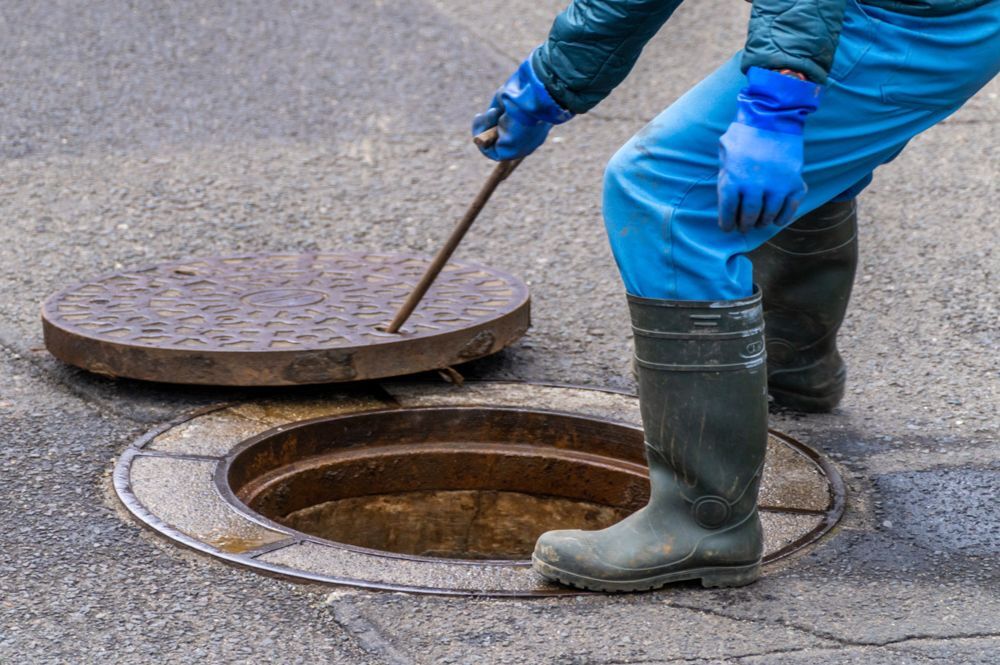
pixel 760 181
pixel 761 154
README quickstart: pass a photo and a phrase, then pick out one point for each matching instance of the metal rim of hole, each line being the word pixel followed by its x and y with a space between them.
pixel 121 478
pixel 224 469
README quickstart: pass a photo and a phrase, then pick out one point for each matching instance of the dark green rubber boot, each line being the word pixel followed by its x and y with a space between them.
pixel 806 273
pixel 702 393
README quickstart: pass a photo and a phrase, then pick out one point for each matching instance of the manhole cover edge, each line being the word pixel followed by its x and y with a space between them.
pixel 131 339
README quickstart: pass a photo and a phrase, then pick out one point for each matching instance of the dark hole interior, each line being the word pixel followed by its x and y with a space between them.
pixel 458 483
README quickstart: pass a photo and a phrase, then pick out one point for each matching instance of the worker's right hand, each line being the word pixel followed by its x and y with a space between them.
pixel 523 112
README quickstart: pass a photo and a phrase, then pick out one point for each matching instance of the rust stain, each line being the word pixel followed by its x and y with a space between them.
pixel 238 545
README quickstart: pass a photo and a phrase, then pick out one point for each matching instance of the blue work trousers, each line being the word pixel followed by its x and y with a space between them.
pixel 894 76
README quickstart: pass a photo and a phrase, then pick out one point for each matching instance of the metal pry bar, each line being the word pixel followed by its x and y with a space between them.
pixel 502 170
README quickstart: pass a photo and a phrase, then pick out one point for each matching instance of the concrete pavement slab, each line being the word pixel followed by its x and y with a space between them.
pixel 581 630
pixel 971 650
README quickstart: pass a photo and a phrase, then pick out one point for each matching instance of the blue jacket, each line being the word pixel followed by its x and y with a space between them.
pixel 593 44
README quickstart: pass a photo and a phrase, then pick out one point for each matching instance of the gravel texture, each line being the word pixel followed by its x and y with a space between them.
pixel 141 132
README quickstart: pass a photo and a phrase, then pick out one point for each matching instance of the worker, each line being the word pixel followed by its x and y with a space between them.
pixel 736 206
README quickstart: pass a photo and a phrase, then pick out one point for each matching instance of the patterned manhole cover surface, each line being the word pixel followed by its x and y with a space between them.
pixel 282 319
pixel 425 488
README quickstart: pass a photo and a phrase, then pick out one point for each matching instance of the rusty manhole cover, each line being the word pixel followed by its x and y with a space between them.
pixel 425 488
pixel 282 319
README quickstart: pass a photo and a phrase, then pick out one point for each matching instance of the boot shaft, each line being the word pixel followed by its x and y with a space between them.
pixel 806 273
pixel 703 394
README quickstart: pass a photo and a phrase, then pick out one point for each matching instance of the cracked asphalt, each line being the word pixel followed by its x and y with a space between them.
pixel 132 133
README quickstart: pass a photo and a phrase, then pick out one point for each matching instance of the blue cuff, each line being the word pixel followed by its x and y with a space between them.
pixel 527 94
pixel 775 102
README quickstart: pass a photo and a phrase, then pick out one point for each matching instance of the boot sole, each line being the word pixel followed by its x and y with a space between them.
pixel 806 403
pixel 711 577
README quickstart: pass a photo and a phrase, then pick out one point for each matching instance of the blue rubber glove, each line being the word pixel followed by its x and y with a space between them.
pixel 524 112
pixel 760 155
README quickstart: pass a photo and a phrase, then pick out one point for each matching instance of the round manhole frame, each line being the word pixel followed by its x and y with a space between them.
pixel 829 517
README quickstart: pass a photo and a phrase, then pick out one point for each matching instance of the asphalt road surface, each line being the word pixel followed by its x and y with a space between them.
pixel 132 133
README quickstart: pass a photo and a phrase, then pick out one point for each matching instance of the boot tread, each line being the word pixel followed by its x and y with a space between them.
pixel 710 577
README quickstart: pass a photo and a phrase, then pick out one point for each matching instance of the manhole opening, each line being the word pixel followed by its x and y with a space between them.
pixel 456 483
